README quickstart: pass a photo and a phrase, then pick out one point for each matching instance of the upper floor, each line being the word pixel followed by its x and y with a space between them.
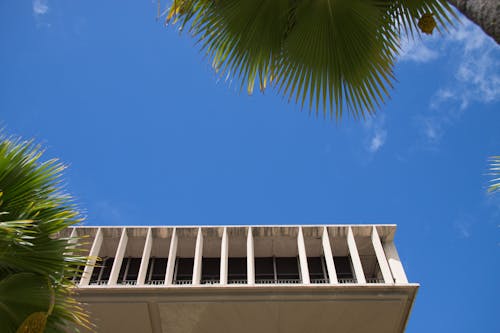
pixel 232 256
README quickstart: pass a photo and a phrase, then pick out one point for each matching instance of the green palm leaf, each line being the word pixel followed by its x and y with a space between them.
pixel 36 265
pixel 330 55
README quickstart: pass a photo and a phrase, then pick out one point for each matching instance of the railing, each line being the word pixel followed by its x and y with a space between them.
pixel 278 281
pixel 98 283
pixel 155 282
pixel 128 282
pixel 183 282
pixel 346 280
pixel 210 281
pixel 237 281
pixel 320 281
pixel 374 280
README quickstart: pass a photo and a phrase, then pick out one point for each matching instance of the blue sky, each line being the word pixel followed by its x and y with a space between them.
pixel 152 136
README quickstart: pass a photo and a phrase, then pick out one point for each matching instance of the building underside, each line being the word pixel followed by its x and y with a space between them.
pixel 330 278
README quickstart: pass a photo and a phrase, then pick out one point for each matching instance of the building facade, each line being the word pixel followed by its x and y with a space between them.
pixel 327 278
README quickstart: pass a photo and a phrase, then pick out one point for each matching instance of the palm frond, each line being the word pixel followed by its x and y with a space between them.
pixel 495 172
pixel 330 55
pixel 33 210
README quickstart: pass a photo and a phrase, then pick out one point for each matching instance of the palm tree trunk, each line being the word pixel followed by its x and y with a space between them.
pixel 485 13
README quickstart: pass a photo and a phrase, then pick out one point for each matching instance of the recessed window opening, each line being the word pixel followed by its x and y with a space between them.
pixel 317 270
pixel 368 259
pixel 264 270
pixel 313 241
pixel 372 271
pixel 343 267
pixel 210 271
pixel 287 270
pixel 102 271
pixel 281 270
pixel 157 268
pixel 184 271
pixel 129 271
pixel 237 270
pixel 237 255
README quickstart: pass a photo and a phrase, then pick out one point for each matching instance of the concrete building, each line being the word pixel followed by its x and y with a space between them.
pixel 318 279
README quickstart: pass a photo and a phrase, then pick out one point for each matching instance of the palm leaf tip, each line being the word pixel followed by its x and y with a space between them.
pixel 327 55
pixel 494 169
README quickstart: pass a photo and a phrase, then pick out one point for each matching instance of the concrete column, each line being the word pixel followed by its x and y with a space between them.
pixel 382 261
pixel 198 256
pixel 146 253
pixel 93 254
pixel 327 251
pixel 172 255
pixel 304 268
pixel 356 262
pixel 117 264
pixel 224 257
pixel 250 258
pixel 395 265
pixel 72 241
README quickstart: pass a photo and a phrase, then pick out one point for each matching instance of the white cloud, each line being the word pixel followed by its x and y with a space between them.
pixel 40 7
pixel 432 129
pixel 377 141
pixel 376 133
pixel 471 61
pixel 415 50
pixel 477 75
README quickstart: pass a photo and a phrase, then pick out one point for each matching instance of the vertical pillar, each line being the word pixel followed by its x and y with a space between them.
pixel 395 265
pixel 146 253
pixel 172 255
pixel 198 256
pixel 382 261
pixel 71 246
pixel 304 269
pixel 93 254
pixel 117 264
pixel 224 257
pixel 250 258
pixel 72 240
pixel 356 262
pixel 327 251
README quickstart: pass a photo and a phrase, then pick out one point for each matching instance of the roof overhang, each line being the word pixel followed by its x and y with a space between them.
pixel 263 309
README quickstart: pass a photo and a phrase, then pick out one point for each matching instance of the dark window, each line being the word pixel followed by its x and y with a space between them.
pixel 237 270
pixel 210 270
pixel 317 270
pixel 287 268
pixel 133 269
pixel 264 269
pixel 184 269
pixel 371 269
pixel 343 267
pixel 102 270
pixel 158 269
pixel 106 271
pixel 96 271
